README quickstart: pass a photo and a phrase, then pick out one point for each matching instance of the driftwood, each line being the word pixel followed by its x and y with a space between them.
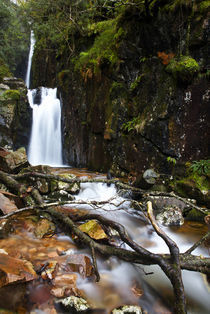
pixel 171 263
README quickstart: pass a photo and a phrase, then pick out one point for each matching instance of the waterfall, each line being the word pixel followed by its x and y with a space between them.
pixel 45 146
pixel 27 80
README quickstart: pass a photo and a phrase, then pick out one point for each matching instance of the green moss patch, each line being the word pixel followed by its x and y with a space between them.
pixel 11 94
pixel 103 50
pixel 183 68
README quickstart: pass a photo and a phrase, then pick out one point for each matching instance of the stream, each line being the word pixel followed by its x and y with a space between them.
pixel 121 283
pixel 118 277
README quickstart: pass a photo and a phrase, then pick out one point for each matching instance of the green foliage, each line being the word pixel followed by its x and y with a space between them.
pixel 176 4
pixel 171 160
pixel 4 70
pixel 12 94
pixel 183 68
pixel 201 167
pixel 204 6
pixel 131 125
pixel 136 82
pixel 103 50
pixel 12 31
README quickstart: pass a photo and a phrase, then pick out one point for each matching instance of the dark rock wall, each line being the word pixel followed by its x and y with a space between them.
pixel 172 114
pixel 15 114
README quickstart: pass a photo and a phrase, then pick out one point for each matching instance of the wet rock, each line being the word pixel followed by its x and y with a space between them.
pixel 72 188
pixel 15 113
pixel 170 216
pixel 75 303
pixel 13 270
pixel 60 196
pixel 133 309
pixel 6 206
pixel 13 161
pixel 160 202
pixel 3 87
pixel 147 180
pixel 65 285
pixel 37 96
pixel 189 188
pixel 44 227
pixel 80 263
pixel 150 176
pixel 14 83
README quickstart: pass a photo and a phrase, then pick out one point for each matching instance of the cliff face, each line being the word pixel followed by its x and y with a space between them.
pixel 15 114
pixel 150 104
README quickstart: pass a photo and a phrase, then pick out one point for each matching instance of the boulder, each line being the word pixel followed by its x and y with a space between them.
pixel 13 161
pixel 72 188
pixel 170 216
pixel 15 113
pixel 74 303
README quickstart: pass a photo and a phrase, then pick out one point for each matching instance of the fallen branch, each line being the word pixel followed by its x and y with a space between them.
pixel 171 263
pixel 198 243
pixel 174 271
pixel 120 185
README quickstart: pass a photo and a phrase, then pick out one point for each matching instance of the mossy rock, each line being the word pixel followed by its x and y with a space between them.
pixel 183 68
pixel 72 188
pixel 195 215
pixel 188 187
pixel 11 94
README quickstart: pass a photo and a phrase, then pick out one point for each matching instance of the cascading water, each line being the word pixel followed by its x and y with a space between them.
pixel 31 51
pixel 45 143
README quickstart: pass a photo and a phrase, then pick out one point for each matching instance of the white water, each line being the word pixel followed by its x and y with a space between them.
pixel 27 80
pixel 116 277
pixel 45 146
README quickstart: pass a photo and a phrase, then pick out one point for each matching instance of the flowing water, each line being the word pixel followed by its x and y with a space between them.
pixel 45 143
pixel 28 73
pixel 118 279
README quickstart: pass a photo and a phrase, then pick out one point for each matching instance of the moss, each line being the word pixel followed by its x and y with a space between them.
pixel 4 70
pixel 53 185
pixel 12 94
pixel 195 215
pixel 183 68
pixel 136 82
pixel 118 89
pixel 204 6
pixel 103 50
pixel 62 77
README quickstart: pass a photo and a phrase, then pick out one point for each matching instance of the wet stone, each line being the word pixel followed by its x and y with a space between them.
pixel 128 309
pixel 76 303
pixel 170 216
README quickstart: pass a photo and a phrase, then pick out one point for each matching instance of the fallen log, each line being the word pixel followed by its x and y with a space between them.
pixel 171 263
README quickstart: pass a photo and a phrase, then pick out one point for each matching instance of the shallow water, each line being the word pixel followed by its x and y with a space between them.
pixel 120 276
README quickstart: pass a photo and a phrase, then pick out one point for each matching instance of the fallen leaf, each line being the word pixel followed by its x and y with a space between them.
pixel 138 292
pixel 93 229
